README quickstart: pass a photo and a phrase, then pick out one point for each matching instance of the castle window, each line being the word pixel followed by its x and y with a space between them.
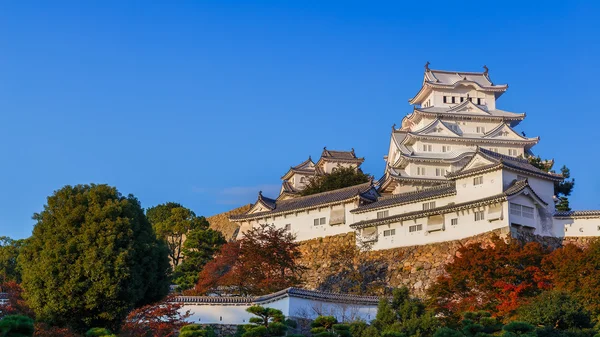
pixel 494 149
pixel 440 172
pixel 319 221
pixel 479 215
pixel 462 99
pixel 512 152
pixel 480 129
pixel 420 171
pixel 447 148
pixel 428 205
pixel 389 232
pixel 415 228
pixel 427 148
pixel 445 99
pixel 479 101
pixel 382 214
pixel 520 210
pixel 478 180
pixel 453 99
pixel 454 221
pixel 302 180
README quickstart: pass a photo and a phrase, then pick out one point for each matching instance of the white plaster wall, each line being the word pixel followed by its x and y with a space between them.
pixel 467 191
pixel 302 223
pixel 466 227
pixel 401 209
pixel 577 227
pixel 543 188
pixel 293 307
pixel 462 91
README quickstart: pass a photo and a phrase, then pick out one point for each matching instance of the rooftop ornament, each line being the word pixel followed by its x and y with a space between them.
pixel 427 66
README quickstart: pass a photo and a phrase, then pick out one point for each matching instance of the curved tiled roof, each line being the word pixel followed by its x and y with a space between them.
pixel 514 188
pixel 311 201
pixel 289 292
pixel 578 214
pixel 409 197
pixel 500 160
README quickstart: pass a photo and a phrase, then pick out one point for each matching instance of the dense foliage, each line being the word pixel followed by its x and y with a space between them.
pixel 9 251
pixel 268 322
pixel 498 278
pixel 562 189
pixel 262 262
pixel 16 326
pixel 161 319
pixel 341 177
pixel 93 256
pixel 190 241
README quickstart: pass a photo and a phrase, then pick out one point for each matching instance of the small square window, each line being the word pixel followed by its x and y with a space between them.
pixel 479 215
pixel 382 214
pixel 389 232
pixel 477 180
pixel 454 221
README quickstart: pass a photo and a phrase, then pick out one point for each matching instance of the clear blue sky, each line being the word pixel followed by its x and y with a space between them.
pixel 205 103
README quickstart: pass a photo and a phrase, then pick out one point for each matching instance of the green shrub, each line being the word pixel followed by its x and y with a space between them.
pixel 16 326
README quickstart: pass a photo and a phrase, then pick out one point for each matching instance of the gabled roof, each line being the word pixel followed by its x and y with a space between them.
pixel 497 161
pixel 470 138
pixel 289 292
pixel 365 191
pixel 407 198
pixel 514 188
pixel 339 156
pixel 441 79
pixel 306 167
pixel 505 131
pixel 439 127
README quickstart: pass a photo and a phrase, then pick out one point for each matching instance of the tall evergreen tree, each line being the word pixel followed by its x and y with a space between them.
pixel 93 256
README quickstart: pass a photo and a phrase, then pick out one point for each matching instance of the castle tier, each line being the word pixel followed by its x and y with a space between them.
pixel 453 114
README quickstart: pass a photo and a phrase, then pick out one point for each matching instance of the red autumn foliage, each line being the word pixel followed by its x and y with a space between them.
pixel 162 319
pixel 45 330
pixel 498 278
pixel 577 271
pixel 262 262
pixel 16 303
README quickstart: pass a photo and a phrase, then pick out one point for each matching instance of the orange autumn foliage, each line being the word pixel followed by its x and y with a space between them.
pixel 498 278
pixel 162 319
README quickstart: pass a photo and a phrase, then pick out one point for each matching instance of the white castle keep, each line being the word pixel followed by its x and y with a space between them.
pixel 455 168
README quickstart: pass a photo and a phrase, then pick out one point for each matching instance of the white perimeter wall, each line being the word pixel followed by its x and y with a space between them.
pixel 293 307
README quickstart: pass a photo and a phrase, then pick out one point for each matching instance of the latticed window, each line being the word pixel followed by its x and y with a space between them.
pixel 454 221
pixel 383 214
pixel 415 228
pixel 389 232
pixel 428 205
pixel 479 215
pixel 478 180
pixel 521 210
pixel 319 221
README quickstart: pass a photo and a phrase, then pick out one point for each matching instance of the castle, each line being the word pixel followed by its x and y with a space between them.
pixel 455 168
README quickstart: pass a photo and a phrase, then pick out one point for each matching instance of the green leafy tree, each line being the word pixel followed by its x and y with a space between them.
pixel 268 322
pixel 99 332
pixel 557 310
pixel 328 326
pixel 16 326
pixel 199 248
pixel 9 251
pixel 196 330
pixel 341 177
pixel 562 189
pixel 515 329
pixel 404 315
pixel 93 256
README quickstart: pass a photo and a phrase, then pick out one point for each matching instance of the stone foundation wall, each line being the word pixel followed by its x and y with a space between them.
pixel 332 266
pixel 220 222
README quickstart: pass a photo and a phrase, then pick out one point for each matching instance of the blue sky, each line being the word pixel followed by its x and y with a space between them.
pixel 205 103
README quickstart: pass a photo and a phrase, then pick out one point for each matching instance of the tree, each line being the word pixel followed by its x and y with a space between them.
pixel 576 271
pixel 196 330
pixel 473 324
pixel 514 329
pixel 562 189
pixel 16 326
pixel 556 310
pixel 268 323
pixel 328 326
pixel 99 332
pixel 16 304
pixel 199 248
pixel 9 251
pixel 341 177
pixel 45 330
pixel 498 278
pixel 92 257
pixel 161 319
pixel 172 222
pixel 404 315
pixel 262 262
